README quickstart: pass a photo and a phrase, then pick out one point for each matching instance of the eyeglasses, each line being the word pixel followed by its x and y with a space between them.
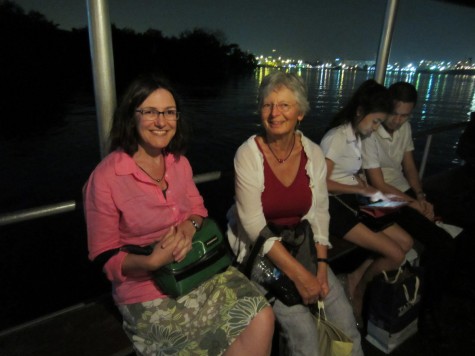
pixel 282 107
pixel 151 114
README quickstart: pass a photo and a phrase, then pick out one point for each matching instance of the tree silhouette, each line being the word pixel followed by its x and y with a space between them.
pixel 32 77
pixel 44 67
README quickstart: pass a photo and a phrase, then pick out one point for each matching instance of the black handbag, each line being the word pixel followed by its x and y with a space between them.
pixel 393 307
pixel 299 242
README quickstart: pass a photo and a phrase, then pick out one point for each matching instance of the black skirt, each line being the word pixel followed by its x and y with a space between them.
pixel 345 215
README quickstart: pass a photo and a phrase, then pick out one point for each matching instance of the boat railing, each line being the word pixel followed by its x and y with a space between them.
pixel 429 134
pixel 71 205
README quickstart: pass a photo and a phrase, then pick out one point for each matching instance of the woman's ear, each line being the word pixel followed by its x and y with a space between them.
pixel 359 111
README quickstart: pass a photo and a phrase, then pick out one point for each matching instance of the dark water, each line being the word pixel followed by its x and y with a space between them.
pixel 46 168
pixel 44 264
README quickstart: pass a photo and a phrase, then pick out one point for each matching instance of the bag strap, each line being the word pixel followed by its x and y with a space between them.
pixel 416 289
pixel 101 259
pixel 406 292
pixel 386 278
pixel 321 309
pixel 105 256
pixel 267 233
pixel 345 205
pixel 247 266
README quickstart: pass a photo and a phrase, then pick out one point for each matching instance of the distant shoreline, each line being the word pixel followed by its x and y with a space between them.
pixel 447 71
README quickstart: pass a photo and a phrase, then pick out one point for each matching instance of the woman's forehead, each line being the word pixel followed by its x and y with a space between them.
pixel 281 91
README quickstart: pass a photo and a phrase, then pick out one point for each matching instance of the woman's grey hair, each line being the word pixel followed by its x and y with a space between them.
pixel 291 81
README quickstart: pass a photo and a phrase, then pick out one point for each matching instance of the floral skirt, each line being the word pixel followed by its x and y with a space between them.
pixel 203 322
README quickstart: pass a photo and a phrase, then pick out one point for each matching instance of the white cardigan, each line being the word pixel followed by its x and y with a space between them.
pixel 246 218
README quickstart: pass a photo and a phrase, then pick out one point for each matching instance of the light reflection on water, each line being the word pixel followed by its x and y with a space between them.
pixel 223 122
pixel 52 167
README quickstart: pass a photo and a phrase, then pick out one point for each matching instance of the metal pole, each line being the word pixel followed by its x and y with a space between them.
pixel 207 177
pixel 100 42
pixel 385 42
pixel 35 213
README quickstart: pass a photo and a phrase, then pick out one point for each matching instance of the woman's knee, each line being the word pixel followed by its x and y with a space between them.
pixel 257 337
pixel 264 320
pixel 407 243
pixel 394 252
pixel 403 238
pixel 397 256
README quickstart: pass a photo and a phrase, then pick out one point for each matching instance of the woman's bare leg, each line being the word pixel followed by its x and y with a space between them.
pixel 392 244
pixel 355 277
pixel 400 236
pixel 256 339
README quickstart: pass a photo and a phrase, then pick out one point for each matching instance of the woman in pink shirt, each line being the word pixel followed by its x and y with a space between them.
pixel 143 193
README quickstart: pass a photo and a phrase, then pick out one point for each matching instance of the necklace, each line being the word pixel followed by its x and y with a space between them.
pixel 280 160
pixel 158 180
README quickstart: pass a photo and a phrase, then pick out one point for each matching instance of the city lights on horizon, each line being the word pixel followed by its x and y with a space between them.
pixel 338 63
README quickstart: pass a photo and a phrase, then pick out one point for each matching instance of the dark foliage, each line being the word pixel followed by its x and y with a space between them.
pixel 32 78
pixel 195 57
pixel 43 67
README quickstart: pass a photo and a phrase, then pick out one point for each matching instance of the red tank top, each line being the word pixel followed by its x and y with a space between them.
pixel 285 206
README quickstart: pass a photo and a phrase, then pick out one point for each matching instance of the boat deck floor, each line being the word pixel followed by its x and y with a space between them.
pixel 92 329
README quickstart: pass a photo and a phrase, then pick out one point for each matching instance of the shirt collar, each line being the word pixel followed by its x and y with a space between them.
pixel 350 134
pixel 124 164
pixel 381 131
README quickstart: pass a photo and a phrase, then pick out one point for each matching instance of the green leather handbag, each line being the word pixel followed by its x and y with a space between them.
pixel 208 256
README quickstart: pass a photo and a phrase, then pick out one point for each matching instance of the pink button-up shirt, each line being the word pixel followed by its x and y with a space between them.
pixel 123 206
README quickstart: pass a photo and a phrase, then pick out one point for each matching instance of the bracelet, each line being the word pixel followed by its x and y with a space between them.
pixel 195 224
pixel 325 260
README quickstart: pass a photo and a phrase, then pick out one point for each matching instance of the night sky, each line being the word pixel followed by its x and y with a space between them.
pixel 301 29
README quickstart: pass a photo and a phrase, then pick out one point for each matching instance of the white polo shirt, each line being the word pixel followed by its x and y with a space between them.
pixel 343 147
pixel 386 152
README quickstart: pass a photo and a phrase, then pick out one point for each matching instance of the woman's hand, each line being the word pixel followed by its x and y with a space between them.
pixel 162 253
pixel 428 209
pixel 173 247
pixel 371 192
pixel 424 207
pixel 184 234
pixel 308 286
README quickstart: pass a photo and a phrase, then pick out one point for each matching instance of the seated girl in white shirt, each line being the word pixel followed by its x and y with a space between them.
pixel 341 145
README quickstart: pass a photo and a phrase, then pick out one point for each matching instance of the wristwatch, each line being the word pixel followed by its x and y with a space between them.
pixel 195 224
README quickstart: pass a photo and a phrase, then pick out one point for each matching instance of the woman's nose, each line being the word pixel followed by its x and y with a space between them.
pixel 160 120
pixel 275 110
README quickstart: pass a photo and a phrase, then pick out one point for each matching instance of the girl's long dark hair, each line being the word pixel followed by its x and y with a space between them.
pixel 369 98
